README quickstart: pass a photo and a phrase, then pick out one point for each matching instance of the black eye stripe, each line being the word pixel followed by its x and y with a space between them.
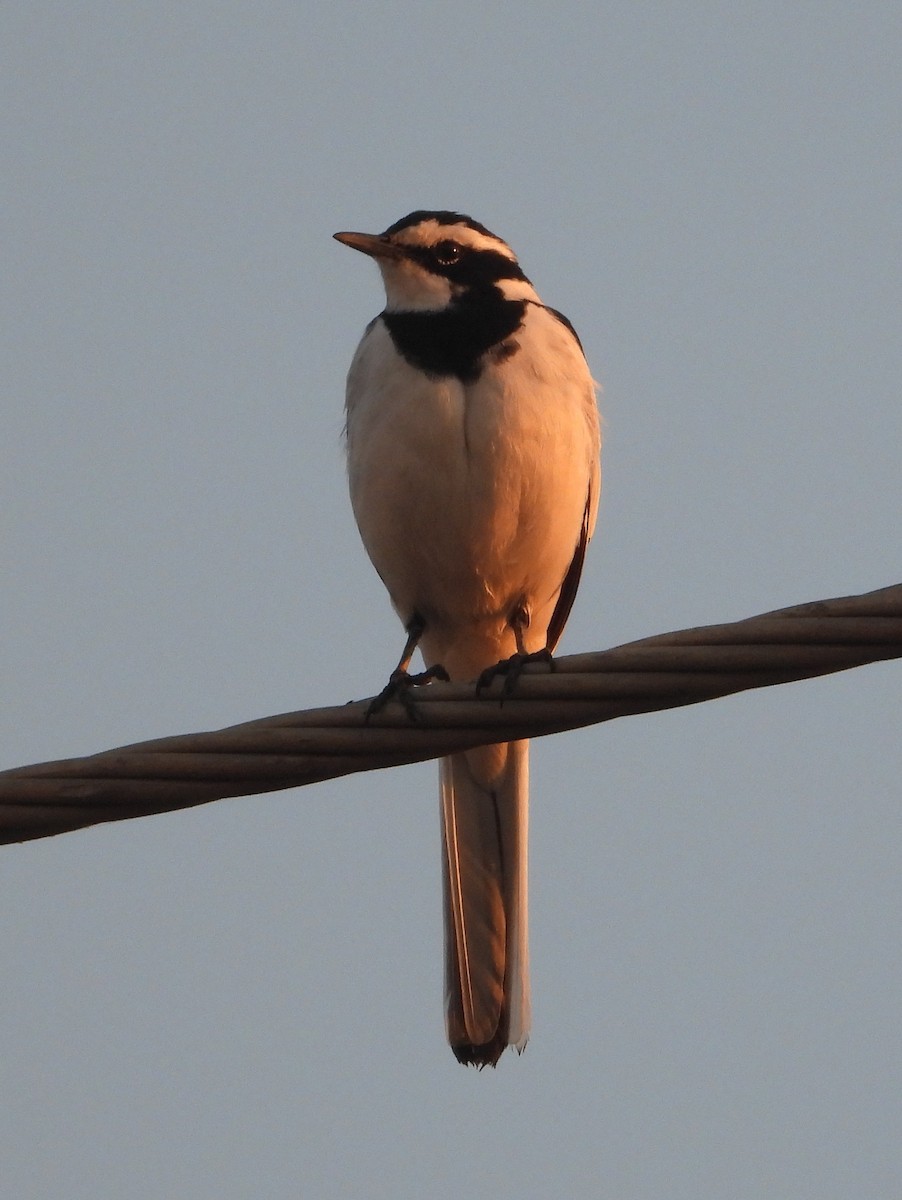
pixel 465 265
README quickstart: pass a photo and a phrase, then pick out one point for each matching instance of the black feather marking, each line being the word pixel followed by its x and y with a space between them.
pixel 441 217
pixel 474 268
pixel 571 581
pixel 452 342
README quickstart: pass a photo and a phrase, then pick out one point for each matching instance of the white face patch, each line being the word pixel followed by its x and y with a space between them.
pixel 517 289
pixel 410 287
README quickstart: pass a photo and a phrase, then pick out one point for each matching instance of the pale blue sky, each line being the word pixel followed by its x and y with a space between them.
pixel 245 999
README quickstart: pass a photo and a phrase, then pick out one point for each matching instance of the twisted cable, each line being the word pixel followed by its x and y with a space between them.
pixel 294 749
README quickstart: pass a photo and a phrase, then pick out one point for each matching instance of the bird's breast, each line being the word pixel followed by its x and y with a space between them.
pixel 470 496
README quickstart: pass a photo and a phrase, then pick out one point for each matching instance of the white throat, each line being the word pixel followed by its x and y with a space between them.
pixel 410 288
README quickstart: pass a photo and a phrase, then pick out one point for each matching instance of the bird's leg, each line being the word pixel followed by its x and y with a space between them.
pixel 512 668
pixel 401 681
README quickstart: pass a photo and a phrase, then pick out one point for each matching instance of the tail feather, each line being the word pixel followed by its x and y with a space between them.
pixel 484 837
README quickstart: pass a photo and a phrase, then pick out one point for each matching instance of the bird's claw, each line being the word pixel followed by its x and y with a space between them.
pixel 399 687
pixel 512 668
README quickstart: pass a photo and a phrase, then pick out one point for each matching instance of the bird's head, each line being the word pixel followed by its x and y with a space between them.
pixel 430 259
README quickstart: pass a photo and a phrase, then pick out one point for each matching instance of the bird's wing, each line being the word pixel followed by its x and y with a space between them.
pixel 569 587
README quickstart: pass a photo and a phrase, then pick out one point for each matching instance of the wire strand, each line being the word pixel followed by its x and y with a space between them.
pixel 294 749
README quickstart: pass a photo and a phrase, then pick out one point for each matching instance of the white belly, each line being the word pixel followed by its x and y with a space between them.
pixel 470 498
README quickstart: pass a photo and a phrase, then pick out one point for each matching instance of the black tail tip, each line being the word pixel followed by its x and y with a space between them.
pixel 486 1055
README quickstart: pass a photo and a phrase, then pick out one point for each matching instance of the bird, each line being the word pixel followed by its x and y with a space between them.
pixel 473 453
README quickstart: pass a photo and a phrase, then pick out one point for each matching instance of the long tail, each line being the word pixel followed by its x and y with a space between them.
pixel 485 805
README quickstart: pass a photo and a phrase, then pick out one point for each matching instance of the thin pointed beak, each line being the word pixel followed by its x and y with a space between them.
pixel 370 243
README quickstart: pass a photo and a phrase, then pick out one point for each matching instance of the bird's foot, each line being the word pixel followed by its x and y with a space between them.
pixel 399 686
pixel 511 669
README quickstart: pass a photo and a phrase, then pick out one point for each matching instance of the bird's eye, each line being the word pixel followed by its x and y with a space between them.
pixel 448 253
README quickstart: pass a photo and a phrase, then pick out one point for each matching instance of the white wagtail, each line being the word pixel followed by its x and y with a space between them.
pixel 473 456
